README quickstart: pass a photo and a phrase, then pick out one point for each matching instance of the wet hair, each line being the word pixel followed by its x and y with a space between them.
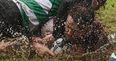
pixel 61 17
pixel 82 13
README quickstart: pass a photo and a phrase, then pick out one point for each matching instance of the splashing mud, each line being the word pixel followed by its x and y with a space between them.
pixel 89 35
pixel 18 48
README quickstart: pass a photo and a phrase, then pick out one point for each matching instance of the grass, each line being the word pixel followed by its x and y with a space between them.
pixel 108 15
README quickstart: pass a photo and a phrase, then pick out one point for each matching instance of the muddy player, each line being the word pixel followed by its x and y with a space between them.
pixel 38 19
pixel 81 28
pixel 34 17
pixel 87 18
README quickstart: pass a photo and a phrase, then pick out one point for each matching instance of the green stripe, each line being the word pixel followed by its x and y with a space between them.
pixel 55 6
pixel 37 9
pixel 55 2
pixel 25 21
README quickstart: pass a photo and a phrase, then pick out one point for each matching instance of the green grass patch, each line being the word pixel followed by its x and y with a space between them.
pixel 107 15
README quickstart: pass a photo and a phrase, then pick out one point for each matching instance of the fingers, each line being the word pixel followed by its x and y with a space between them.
pixel 49 38
pixel 50 53
pixel 42 49
pixel 37 39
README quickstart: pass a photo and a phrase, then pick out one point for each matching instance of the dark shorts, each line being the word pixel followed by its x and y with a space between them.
pixel 10 18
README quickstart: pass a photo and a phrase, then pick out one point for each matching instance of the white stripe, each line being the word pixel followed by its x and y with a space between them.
pixel 32 17
pixel 18 5
pixel 45 4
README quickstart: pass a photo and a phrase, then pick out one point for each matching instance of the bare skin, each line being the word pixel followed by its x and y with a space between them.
pixel 40 45
pixel 69 24
pixel 42 49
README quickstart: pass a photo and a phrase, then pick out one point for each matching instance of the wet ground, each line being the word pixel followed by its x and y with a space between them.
pixel 107 16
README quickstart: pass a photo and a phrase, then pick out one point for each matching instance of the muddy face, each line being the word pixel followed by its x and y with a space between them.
pixel 73 29
pixel 69 25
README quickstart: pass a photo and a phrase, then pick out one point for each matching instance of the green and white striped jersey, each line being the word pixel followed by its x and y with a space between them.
pixel 37 11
